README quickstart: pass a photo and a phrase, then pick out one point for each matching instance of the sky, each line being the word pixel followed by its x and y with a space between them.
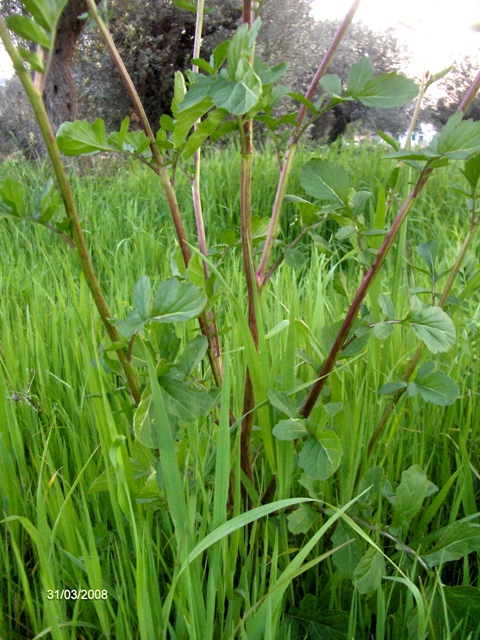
pixel 436 31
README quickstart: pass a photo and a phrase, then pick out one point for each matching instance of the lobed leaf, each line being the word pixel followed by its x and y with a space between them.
pixel 387 91
pixel 434 386
pixel 454 542
pixel 292 429
pixel 301 520
pixel 80 138
pixel 320 456
pixel 434 327
pixel 325 181
pixel 459 139
pixel 369 572
pixel 410 494
pixel 176 302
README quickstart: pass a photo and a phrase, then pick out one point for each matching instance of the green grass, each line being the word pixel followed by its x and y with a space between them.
pixel 86 506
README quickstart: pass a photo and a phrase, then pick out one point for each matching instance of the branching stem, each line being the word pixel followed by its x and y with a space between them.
pixel 362 292
pixel 293 143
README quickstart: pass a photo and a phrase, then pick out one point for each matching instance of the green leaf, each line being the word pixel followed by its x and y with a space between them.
pixel 472 172
pixel 237 97
pixel 204 66
pixel 131 325
pixel 410 494
pixel 462 604
pixel 301 98
pixel 301 520
pixel 131 141
pixel 320 456
pixel 46 12
pixel 30 30
pixel 220 54
pixel 359 201
pixel 268 75
pixel 332 84
pixel 346 232
pixel 144 425
pixel 12 197
pixel 187 118
pixel 241 47
pixel 438 76
pixel 395 144
pixel 282 402
pixel 434 386
pixel 386 305
pixel 141 296
pixel 187 5
pixel 50 201
pixel 192 355
pixel 196 272
pixel 383 330
pixel 387 91
pixel 459 139
pixel 176 302
pixel 185 402
pixel 36 62
pixel 346 559
pixel 429 252
pixel 392 387
pixel 454 542
pixel 359 74
pixel 434 327
pixel 179 91
pixel 80 137
pixel 292 429
pixel 369 572
pixel 320 623
pixel 295 258
pixel 204 130
pixel 325 181
pixel 198 91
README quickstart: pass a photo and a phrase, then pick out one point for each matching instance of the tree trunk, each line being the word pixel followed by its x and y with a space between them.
pixel 59 89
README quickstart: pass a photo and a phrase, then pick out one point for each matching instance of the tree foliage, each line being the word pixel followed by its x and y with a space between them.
pixel 155 39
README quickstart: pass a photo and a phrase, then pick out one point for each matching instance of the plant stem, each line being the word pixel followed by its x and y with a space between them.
pixel 246 129
pixel 213 352
pixel 416 358
pixel 362 292
pixel 41 116
pixel 293 143
pixel 142 116
pixel 470 95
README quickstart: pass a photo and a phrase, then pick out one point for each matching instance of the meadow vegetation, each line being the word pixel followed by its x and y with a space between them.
pixel 272 436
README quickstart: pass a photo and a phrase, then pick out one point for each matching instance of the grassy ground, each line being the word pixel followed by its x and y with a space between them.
pixel 83 504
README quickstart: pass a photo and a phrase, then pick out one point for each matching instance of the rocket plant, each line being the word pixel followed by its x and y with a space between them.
pixel 235 92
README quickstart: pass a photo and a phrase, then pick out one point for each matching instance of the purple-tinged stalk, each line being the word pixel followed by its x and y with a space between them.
pixel 293 143
pixel 215 348
pixel 161 170
pixel 463 107
pixel 418 354
pixel 374 269
pixel 86 266
pixel 362 292
pixel 246 130
pixel 145 124
pixel 470 95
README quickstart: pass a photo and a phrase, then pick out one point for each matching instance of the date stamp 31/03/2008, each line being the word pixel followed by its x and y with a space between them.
pixel 77 594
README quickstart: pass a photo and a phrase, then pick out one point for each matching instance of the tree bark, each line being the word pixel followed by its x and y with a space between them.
pixel 59 92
